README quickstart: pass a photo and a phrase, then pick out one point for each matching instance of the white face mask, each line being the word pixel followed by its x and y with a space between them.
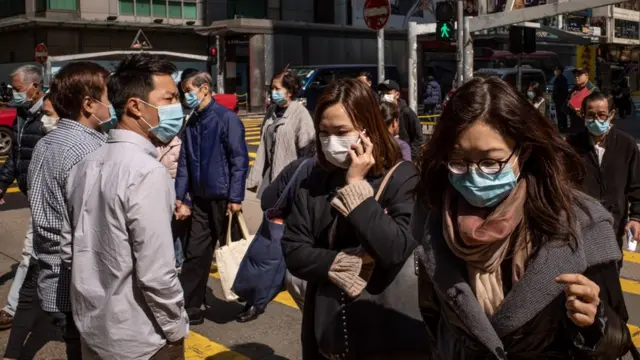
pixel 336 149
pixel 49 123
pixel 389 98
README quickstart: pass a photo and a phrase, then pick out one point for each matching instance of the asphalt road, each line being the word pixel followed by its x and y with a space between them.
pixel 275 335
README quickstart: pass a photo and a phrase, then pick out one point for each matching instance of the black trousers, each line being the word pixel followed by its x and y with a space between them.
pixel 563 123
pixel 29 313
pixel 208 226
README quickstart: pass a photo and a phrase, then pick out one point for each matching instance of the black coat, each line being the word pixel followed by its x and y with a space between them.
pixel 615 183
pixel 381 228
pixel 410 129
pixel 560 90
pixel 27 131
pixel 532 321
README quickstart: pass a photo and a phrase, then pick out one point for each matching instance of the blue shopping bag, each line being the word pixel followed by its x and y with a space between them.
pixel 262 270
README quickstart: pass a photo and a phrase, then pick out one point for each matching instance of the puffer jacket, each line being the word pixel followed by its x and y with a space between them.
pixel 531 323
pixel 169 155
pixel 432 93
pixel 27 131
pixel 214 159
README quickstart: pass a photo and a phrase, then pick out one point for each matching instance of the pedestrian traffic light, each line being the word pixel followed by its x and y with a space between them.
pixel 445 31
pixel 213 56
pixel 522 40
pixel 445 11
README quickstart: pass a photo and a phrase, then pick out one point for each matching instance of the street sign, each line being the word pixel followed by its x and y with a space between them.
pixel 41 53
pixel 445 31
pixel 376 13
pixel 140 42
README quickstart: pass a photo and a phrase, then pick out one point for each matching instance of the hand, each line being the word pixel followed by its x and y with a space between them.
pixel 233 208
pixel 182 212
pixel 361 160
pixel 178 203
pixel 634 226
pixel 1 199
pixel 583 298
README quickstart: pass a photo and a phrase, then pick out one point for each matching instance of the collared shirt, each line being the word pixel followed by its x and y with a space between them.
pixel 127 300
pixel 53 158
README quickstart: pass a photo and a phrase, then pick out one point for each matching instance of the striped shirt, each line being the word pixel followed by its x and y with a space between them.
pixel 53 158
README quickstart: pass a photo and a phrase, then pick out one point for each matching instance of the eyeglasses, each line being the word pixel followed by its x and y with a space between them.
pixel 487 166
pixel 599 118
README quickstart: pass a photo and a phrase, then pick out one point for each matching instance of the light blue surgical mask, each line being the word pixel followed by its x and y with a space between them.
pixel 531 94
pixel 484 190
pixel 170 121
pixel 598 128
pixel 278 97
pixel 20 98
pixel 192 100
pixel 112 123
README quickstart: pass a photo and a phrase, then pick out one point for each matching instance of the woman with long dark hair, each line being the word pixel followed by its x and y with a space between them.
pixel 517 263
pixel 348 235
pixel 535 94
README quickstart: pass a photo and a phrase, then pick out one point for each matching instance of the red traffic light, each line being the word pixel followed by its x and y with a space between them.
pixel 213 51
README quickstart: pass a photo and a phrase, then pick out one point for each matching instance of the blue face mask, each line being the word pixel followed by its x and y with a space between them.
pixel 110 124
pixel 20 98
pixel 597 128
pixel 531 94
pixel 191 99
pixel 278 97
pixel 170 120
pixel 483 190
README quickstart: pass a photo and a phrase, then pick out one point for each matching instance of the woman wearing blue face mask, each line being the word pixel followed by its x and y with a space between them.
pixel 287 132
pixel 516 260
pixel 536 97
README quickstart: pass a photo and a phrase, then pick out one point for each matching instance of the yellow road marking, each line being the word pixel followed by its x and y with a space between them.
pixel 251 163
pixel 198 347
pixel 283 297
pixel 633 257
pixel 252 155
pixel 635 334
pixel 254 143
pixel 257 132
pixel 630 286
pixel 13 190
pixel 251 137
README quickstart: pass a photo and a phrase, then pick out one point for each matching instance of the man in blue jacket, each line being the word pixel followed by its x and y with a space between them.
pixel 210 183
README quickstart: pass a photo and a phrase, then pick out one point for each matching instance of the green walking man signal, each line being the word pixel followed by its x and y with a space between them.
pixel 445 31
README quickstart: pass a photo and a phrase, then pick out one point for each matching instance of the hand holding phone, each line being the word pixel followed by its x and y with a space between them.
pixel 361 154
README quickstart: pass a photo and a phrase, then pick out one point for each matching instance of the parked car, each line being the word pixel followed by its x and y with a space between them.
pixel 315 79
pixel 7 117
pixel 510 75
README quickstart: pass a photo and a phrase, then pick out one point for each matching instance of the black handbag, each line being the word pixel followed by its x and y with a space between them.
pixel 384 319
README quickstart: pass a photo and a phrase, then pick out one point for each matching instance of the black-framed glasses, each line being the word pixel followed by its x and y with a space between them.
pixel 601 118
pixel 487 166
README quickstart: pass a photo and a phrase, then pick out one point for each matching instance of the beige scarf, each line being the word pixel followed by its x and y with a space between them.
pixel 484 237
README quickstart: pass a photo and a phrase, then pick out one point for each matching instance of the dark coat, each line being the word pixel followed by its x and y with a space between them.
pixel 410 129
pixel 432 93
pixel 213 160
pixel 531 323
pixel 615 183
pixel 381 228
pixel 560 90
pixel 27 131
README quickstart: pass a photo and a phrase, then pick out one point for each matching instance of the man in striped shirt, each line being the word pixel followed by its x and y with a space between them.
pixel 79 96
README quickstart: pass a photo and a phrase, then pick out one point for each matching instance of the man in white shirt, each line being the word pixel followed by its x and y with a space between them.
pixel 126 298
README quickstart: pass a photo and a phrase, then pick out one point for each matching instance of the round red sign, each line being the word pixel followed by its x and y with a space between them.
pixel 42 53
pixel 376 13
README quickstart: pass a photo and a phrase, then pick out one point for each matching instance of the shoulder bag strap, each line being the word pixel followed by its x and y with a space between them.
pixel 386 179
pixel 287 189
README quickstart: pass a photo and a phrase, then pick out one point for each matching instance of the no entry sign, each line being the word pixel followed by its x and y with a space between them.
pixel 42 53
pixel 376 13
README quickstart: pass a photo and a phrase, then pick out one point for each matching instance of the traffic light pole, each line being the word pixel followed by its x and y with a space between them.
pixel 380 56
pixel 468 51
pixel 460 44
pixel 220 66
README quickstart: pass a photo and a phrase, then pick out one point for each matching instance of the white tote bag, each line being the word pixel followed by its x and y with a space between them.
pixel 229 256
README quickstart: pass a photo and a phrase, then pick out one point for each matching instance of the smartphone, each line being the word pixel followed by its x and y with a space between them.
pixel 359 138
pixel 631 242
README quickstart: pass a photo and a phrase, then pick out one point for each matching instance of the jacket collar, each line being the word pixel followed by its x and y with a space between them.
pixel 527 298
pixel 207 109
pixel 127 136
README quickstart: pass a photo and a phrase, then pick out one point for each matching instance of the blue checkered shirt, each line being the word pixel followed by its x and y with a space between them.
pixel 53 158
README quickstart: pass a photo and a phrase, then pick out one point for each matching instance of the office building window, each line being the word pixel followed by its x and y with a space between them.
pixel 143 8
pixel 42 5
pixel 126 7
pixel 175 9
pixel 11 8
pixel 190 11
pixel 160 8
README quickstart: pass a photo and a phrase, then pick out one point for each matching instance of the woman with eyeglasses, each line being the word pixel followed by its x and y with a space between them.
pixel 517 263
